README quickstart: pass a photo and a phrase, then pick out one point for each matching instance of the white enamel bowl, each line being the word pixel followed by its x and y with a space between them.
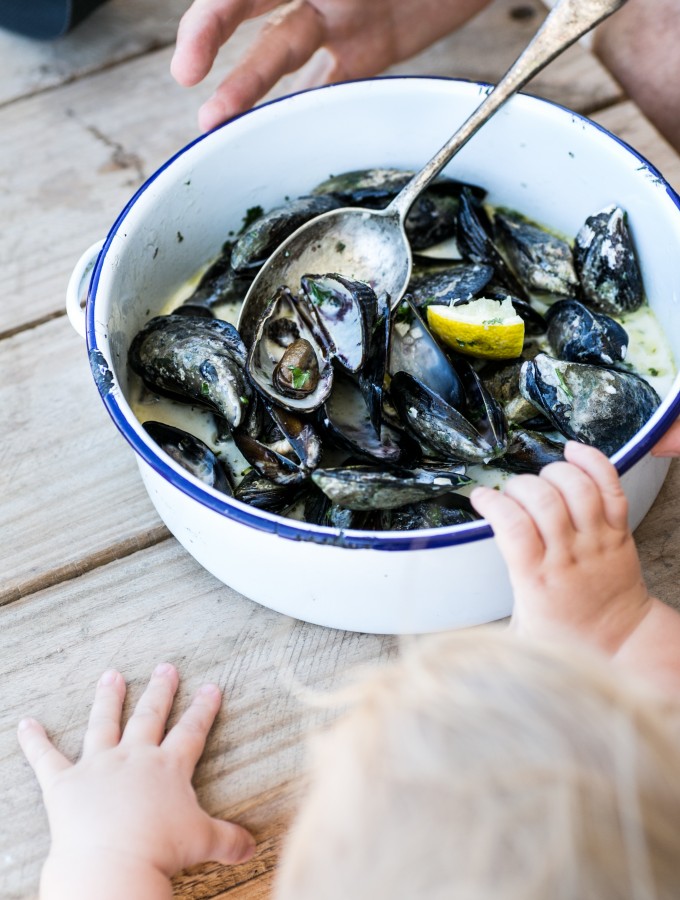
pixel 548 162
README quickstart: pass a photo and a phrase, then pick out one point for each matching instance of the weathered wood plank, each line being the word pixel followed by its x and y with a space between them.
pixel 70 493
pixel 72 157
pixel 113 33
pixel 159 604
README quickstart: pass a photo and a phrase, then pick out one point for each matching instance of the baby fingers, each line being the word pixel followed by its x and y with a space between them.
pixel 103 728
pixel 516 534
pixel 187 739
pixel 147 723
pixel 601 471
pixel 43 757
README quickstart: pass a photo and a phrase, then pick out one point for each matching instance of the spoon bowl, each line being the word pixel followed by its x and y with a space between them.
pixel 364 245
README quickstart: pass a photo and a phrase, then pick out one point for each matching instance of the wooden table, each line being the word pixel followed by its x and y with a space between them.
pixel 90 576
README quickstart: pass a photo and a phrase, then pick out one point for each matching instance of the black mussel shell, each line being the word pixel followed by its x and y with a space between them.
pixel 374 188
pixel 347 311
pixel 606 263
pixel 481 407
pixel 346 423
pixel 529 451
pixel 464 281
pixel 601 407
pixel 474 239
pixel 220 287
pixel 440 429
pixel 542 261
pixel 365 487
pixel 191 453
pixel 373 372
pixel 262 493
pixel 263 236
pixel 428 514
pixel 577 334
pixel 319 510
pixel 196 360
pixel 413 349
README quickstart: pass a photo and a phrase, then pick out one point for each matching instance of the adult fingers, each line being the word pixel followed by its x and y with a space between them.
pixel 203 28
pixel 516 534
pixel 103 727
pixel 43 757
pixel 147 723
pixel 547 509
pixel 187 739
pixel 289 39
pixel 598 467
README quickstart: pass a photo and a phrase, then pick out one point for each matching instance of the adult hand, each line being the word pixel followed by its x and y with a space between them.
pixel 360 38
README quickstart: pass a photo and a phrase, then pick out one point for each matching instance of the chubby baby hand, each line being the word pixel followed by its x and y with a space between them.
pixel 571 557
pixel 127 805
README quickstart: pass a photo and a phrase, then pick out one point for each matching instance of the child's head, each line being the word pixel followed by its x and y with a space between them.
pixel 480 766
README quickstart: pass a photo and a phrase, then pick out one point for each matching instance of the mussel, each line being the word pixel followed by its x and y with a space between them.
pixel 598 406
pixel 606 263
pixel 196 360
pixel 578 334
pixel 541 260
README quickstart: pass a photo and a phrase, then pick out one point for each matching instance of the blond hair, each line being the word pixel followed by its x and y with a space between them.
pixel 483 767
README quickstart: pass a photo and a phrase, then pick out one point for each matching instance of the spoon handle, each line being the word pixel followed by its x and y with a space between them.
pixel 567 22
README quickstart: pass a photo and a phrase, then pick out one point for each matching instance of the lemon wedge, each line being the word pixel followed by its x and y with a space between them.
pixel 483 328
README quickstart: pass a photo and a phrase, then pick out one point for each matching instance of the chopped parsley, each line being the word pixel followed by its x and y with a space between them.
pixel 299 377
pixel 339 247
pixel 319 295
pixel 205 389
pixel 653 372
pixel 563 384
pixel 252 215
pixel 244 400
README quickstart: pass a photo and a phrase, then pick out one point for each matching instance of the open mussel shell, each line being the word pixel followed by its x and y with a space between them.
pixel 346 422
pixel 194 359
pixel 274 363
pixel 606 263
pixel 190 453
pixel 413 349
pixel 440 429
pixel 347 311
pixel 598 406
pixel 541 260
pixel 320 510
pixel 481 407
pixel 288 453
pixel 577 334
pixel 473 234
pixel 263 236
pixel 365 487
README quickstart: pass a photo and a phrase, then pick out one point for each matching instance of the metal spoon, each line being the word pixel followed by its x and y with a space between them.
pixel 371 245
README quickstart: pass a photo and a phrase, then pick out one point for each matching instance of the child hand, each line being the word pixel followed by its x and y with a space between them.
pixel 362 38
pixel 128 803
pixel 571 557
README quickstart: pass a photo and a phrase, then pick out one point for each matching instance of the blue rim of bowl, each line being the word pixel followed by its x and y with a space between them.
pixel 289 528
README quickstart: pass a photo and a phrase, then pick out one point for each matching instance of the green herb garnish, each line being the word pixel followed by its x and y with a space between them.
pixel 300 377
pixel 252 215
pixel 244 400
pixel 205 389
pixel 654 372
pixel 339 247
pixel 320 295
pixel 564 385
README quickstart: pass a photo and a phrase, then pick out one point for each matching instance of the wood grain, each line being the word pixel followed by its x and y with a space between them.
pixel 160 605
pixel 70 493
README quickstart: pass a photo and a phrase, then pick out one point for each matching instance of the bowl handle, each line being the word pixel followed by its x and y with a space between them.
pixel 75 292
